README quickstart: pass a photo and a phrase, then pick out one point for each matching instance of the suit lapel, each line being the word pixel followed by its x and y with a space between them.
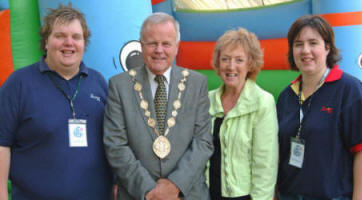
pixel 142 78
pixel 176 76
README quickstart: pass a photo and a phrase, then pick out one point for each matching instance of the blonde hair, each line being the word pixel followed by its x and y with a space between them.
pixel 249 41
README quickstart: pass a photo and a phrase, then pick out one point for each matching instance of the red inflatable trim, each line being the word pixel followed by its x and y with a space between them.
pixel 6 61
pixel 344 19
pixel 198 55
pixel 157 1
pixel 195 55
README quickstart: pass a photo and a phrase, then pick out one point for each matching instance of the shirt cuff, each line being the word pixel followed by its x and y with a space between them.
pixel 356 148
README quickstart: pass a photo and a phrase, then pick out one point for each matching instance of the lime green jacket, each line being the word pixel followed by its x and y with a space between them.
pixel 249 143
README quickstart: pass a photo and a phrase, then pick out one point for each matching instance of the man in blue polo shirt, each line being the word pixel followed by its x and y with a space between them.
pixel 51 120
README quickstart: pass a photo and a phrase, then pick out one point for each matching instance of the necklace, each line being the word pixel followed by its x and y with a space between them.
pixel 161 146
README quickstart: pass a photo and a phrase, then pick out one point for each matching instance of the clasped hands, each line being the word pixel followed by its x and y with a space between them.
pixel 164 190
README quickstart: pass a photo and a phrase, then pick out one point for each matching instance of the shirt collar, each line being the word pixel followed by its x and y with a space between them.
pixel 334 75
pixel 247 101
pixel 43 67
pixel 166 74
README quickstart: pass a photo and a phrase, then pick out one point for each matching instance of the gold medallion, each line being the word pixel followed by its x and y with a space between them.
pixel 151 122
pixel 177 104
pixel 144 104
pixel 161 146
pixel 185 72
pixel 137 87
pixel 132 72
pixel 181 87
pixel 171 122
pixel 147 113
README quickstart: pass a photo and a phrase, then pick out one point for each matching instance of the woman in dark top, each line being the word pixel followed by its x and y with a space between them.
pixel 320 132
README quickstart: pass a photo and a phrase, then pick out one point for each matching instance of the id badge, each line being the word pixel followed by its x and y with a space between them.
pixel 297 147
pixel 77 133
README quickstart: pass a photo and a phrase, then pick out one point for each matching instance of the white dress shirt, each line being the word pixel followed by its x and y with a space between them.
pixel 154 84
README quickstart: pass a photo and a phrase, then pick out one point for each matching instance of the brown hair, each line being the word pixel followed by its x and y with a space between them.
pixel 62 15
pixel 246 39
pixel 323 28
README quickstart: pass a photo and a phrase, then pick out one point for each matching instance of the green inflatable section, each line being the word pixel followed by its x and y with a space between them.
pixel 273 81
pixel 24 29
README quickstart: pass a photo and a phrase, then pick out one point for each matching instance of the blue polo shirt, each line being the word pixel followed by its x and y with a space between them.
pixel 34 118
pixel 332 132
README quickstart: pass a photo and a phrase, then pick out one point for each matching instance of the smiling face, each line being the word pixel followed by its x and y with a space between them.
pixel 65 48
pixel 233 67
pixel 310 52
pixel 159 47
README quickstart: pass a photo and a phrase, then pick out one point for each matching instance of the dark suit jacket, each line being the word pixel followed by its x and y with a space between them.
pixel 128 139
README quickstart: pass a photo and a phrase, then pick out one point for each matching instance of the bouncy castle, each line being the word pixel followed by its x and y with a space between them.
pixel 115 29
pixel 115 26
pixel 200 30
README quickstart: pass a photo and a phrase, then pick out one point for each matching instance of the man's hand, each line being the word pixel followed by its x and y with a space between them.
pixel 115 191
pixel 4 171
pixel 164 190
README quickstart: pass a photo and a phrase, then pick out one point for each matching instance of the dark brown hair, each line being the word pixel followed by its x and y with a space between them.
pixel 323 28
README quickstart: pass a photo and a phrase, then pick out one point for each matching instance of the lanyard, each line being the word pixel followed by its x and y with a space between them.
pixel 301 114
pixel 70 99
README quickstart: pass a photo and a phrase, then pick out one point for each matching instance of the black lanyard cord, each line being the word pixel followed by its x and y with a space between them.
pixel 302 115
pixel 70 99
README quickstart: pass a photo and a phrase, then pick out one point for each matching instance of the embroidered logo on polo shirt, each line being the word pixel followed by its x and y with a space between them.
pixel 327 109
pixel 97 98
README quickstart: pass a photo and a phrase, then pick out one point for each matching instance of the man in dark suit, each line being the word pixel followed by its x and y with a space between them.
pixel 157 124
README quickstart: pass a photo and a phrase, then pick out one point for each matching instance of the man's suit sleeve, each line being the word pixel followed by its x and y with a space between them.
pixel 192 164
pixel 133 176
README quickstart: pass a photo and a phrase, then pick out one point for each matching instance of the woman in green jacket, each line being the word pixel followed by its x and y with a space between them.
pixel 244 164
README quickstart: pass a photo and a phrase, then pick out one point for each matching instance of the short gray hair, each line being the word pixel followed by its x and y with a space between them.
pixel 160 18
